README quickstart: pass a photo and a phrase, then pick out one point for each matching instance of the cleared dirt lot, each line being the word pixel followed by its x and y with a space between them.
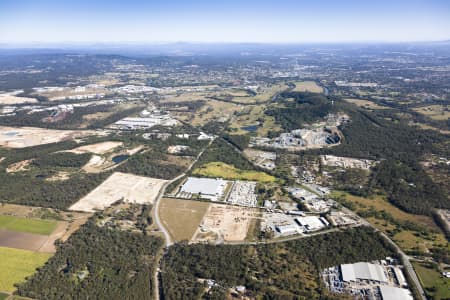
pixel 120 186
pixel 307 86
pixel 21 137
pixel 21 240
pixel 6 99
pixel 182 217
pixel 19 166
pixel 99 148
pixel 225 223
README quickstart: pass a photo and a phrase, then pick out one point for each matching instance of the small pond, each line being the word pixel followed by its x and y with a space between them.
pixel 250 128
pixel 120 158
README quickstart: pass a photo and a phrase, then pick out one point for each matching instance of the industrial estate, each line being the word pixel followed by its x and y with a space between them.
pixel 271 173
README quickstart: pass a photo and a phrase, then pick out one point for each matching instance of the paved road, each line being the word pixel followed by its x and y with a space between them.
pixel 161 226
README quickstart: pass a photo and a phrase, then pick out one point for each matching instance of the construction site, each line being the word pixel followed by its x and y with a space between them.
pixel 120 187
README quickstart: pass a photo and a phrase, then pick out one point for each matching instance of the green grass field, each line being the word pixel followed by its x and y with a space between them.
pixel 3 296
pixel 36 226
pixel 16 264
pixel 434 284
pixel 223 170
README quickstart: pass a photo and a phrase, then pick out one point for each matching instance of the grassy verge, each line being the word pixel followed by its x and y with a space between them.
pixel 436 286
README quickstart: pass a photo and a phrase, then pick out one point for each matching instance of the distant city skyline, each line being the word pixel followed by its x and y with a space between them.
pixel 283 21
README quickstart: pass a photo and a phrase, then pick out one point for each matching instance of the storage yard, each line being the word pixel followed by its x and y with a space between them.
pixel 262 159
pixel 243 194
pixel 346 162
pixel 120 186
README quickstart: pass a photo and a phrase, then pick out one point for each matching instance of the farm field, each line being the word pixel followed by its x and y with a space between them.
pixel 182 217
pixel 120 186
pixel 226 171
pixel 44 227
pixel 431 279
pixel 307 86
pixel 17 264
pixel 21 137
pixel 365 103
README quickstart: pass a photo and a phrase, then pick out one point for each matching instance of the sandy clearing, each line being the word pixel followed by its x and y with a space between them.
pixel 229 223
pixel 7 99
pixel 130 188
pixel 19 166
pixel 60 176
pixel 99 148
pixel 21 137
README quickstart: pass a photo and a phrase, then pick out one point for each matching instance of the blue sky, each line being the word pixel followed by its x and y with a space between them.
pixel 280 21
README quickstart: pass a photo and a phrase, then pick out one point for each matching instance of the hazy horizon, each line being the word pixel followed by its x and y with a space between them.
pixel 200 21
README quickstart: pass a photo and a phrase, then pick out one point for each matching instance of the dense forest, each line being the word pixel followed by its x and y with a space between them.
pixel 300 109
pixel 32 188
pixel 286 270
pixel 97 263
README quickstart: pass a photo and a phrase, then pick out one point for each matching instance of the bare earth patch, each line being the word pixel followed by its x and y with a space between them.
pixel 19 166
pixel 99 148
pixel 225 223
pixel 120 186
pixel 21 137
pixel 7 99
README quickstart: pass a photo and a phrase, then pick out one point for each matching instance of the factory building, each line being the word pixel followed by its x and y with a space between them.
pixel 363 271
pixel 208 188
pixel 394 293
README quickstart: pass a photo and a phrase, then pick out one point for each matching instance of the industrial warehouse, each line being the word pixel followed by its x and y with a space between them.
pixel 383 280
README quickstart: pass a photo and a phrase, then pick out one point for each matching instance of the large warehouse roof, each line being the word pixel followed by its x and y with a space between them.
pixel 394 293
pixel 363 271
pixel 206 186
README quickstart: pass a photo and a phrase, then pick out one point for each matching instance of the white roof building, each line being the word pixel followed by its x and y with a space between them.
pixel 363 271
pixel 394 293
pixel 204 186
pixel 286 229
pixel 310 223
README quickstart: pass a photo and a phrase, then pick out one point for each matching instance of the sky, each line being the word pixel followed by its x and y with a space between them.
pixel 261 21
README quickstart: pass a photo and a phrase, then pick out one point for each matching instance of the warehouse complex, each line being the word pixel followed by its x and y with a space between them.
pixel 381 280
